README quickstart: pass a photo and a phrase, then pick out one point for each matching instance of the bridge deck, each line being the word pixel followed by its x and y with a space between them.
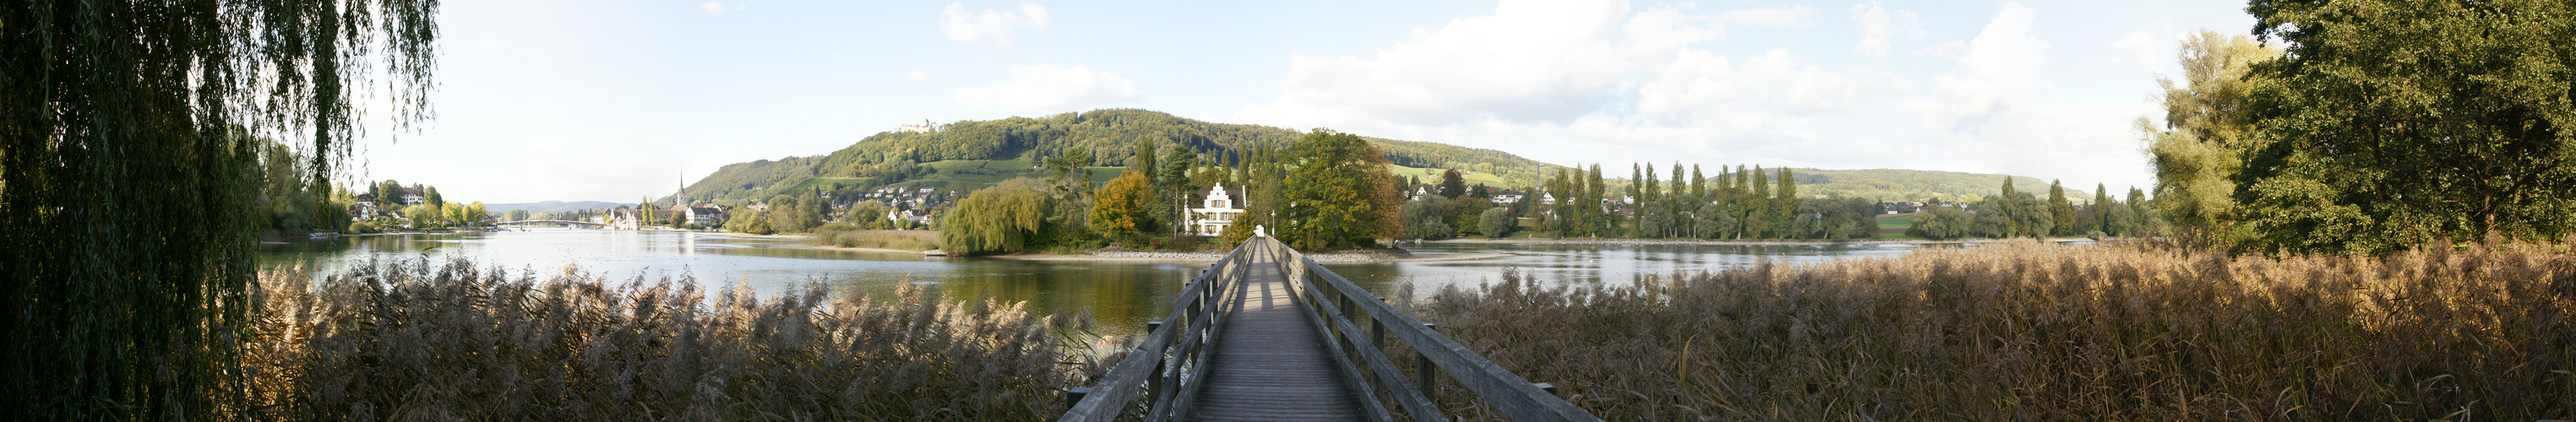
pixel 1270 365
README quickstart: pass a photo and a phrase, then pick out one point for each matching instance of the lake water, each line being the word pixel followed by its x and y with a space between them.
pixel 1120 295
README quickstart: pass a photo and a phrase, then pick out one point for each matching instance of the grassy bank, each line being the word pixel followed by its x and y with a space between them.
pixel 414 340
pixel 2026 331
pixel 844 235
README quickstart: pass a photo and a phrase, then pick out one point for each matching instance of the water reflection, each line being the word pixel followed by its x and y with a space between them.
pixel 1121 295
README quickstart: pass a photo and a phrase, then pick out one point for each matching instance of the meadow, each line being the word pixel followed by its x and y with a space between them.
pixel 2025 331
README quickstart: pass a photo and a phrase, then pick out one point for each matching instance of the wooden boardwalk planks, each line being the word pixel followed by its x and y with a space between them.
pixel 1271 365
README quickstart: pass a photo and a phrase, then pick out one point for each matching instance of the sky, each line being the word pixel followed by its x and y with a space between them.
pixel 614 100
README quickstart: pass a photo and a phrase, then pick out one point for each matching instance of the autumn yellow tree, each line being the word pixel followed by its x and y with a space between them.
pixel 1124 209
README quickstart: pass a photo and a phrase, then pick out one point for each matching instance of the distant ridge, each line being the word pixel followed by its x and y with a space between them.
pixel 553 206
pixel 972 154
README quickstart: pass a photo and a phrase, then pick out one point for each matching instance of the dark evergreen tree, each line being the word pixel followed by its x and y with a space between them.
pixel 2061 212
pixel 1452 184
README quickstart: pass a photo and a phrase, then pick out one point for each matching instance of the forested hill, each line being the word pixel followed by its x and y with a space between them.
pixel 971 154
pixel 978 152
pixel 1916 185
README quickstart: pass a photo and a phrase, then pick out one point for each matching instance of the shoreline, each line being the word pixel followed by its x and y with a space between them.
pixel 1214 256
pixel 1693 242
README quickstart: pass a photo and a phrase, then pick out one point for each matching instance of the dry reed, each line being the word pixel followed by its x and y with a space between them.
pixel 417 341
pixel 2034 332
pixel 910 240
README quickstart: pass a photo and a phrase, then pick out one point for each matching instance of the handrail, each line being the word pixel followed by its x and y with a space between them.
pixel 1169 356
pixel 1333 298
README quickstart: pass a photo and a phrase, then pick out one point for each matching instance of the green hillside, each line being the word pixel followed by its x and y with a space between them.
pixel 972 154
pixel 1901 185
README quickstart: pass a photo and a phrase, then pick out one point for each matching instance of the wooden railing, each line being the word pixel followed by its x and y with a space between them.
pixel 1337 307
pixel 1166 367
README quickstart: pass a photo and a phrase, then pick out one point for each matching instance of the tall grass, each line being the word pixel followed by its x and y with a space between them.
pixel 2028 331
pixel 417 341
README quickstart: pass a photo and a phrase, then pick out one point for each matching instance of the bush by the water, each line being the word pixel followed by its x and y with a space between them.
pixel 2032 332
pixel 417 341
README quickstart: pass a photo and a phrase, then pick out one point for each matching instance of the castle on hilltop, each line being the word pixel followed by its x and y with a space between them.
pixel 924 127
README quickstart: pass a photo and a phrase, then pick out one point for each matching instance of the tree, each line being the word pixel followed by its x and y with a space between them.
pixel 1452 184
pixel 1174 177
pixel 1496 223
pixel 2207 117
pixel 1604 222
pixel 429 195
pixel 1942 223
pixel 2102 211
pixel 2060 211
pixel 1003 218
pixel 1758 218
pixel 1343 196
pixel 1123 209
pixel 1786 200
pixel 1427 218
pixel 2391 124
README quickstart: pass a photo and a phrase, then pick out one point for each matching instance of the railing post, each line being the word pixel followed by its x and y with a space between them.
pixel 1074 395
pixel 1424 369
pixel 1154 380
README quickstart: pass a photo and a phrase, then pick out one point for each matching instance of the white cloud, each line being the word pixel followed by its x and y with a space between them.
pixel 713 8
pixel 917 76
pixel 1995 71
pixel 1799 16
pixel 1878 26
pixel 1529 61
pixel 1594 81
pixel 997 28
pixel 2137 52
pixel 1050 89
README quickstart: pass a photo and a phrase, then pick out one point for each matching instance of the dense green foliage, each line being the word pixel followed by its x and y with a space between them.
pixel 2382 124
pixel 1000 219
pixel 128 177
pixel 2393 123
pixel 1342 196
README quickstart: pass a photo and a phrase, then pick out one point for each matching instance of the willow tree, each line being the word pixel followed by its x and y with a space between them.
pixel 126 181
pixel 1001 218
pixel 2207 120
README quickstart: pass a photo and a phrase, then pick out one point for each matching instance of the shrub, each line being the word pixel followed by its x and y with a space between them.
pixel 2026 331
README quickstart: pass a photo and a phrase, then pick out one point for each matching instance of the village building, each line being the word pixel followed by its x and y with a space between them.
pixel 1216 210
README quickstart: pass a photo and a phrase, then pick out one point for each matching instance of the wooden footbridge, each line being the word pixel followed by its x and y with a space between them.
pixel 1268 335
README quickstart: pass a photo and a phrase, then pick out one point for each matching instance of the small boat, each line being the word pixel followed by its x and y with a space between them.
pixel 933 252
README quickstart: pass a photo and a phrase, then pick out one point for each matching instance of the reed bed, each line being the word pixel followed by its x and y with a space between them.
pixel 422 341
pixel 2036 332
pixel 843 235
